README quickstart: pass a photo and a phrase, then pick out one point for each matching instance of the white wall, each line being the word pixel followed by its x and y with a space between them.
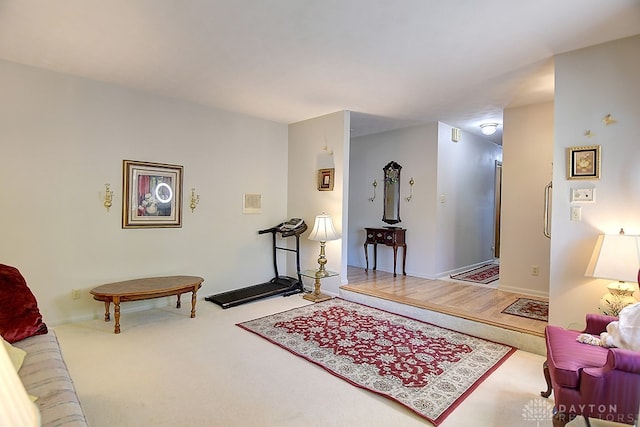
pixel 591 83
pixel 62 138
pixel 441 237
pixel 307 154
pixel 527 168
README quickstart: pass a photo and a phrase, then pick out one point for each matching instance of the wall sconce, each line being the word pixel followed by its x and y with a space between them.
pixel 329 152
pixel 609 120
pixel 108 197
pixel 195 199
pixel 411 182
pixel 489 128
pixel 375 184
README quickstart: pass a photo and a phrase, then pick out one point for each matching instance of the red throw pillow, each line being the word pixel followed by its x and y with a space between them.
pixel 19 314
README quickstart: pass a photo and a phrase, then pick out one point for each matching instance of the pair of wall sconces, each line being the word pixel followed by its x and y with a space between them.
pixel 408 199
pixel 607 120
pixel 108 198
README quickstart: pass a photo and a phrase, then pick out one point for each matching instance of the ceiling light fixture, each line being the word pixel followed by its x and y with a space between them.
pixel 489 128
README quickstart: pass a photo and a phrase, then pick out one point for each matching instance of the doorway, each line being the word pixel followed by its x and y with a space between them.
pixel 498 206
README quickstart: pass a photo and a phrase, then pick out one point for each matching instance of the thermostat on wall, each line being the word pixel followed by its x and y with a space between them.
pixel 583 195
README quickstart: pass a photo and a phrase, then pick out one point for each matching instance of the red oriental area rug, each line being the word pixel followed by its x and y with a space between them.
pixel 529 308
pixel 484 274
pixel 428 369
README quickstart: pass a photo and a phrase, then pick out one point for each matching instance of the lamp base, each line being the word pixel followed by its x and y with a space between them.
pixel 316 295
pixel 316 298
pixel 619 296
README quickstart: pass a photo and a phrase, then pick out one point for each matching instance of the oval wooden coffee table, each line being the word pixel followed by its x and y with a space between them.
pixel 147 288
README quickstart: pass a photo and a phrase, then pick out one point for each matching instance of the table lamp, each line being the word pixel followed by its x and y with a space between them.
pixel 323 231
pixel 616 257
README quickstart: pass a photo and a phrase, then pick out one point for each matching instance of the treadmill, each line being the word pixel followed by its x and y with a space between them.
pixel 284 285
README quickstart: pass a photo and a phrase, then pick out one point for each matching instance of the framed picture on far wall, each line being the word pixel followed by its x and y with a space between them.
pixel 152 195
pixel 583 162
pixel 325 179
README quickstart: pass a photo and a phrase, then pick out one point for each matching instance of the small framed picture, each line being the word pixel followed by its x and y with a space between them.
pixel 152 195
pixel 325 179
pixel 583 162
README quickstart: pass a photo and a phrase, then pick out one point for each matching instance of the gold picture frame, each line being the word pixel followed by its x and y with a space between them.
pixel 152 195
pixel 583 162
pixel 325 179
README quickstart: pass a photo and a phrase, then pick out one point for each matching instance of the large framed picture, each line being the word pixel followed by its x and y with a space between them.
pixel 583 162
pixel 152 195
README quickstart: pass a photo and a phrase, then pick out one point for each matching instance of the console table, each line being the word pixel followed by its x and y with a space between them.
pixel 389 236
pixel 147 288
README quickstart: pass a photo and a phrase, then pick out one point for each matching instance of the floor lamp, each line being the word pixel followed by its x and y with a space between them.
pixel 323 231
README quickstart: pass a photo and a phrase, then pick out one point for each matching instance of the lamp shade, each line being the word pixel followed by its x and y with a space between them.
pixel 615 257
pixel 323 229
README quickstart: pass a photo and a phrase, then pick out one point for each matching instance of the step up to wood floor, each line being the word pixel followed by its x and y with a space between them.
pixel 524 341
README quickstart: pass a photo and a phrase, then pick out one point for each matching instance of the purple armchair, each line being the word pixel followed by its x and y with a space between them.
pixel 592 381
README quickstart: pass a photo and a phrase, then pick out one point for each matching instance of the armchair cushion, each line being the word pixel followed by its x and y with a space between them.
pixel 569 356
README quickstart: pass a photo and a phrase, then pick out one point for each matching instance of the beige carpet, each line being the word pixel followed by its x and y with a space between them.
pixel 166 369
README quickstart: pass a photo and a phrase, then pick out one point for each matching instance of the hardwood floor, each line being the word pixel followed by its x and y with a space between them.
pixel 469 301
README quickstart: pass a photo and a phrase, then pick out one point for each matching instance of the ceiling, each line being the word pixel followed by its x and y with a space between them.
pixel 392 63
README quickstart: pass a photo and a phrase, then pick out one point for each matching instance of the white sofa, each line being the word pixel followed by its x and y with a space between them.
pixel 44 375
pixel 32 350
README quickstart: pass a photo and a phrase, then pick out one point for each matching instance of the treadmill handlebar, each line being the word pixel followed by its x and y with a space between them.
pixel 286 232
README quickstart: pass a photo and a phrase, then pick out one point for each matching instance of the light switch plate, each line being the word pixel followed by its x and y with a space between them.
pixel 583 195
pixel 576 213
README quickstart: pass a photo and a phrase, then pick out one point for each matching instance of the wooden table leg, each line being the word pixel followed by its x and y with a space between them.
pixel 366 256
pixel 193 301
pixel 116 311
pixel 375 256
pixel 404 259
pixel 107 315
pixel 395 259
pixel 178 302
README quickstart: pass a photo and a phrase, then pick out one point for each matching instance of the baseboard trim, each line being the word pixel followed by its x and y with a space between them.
pixel 125 307
pixel 465 268
pixel 524 291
